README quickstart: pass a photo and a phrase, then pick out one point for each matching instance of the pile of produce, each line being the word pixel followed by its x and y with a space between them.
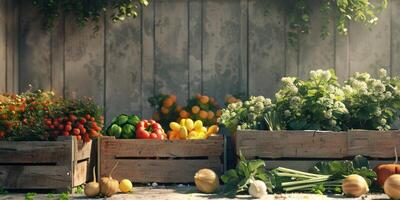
pixel 321 103
pixel 44 116
pixel 123 126
pixel 187 129
pixel 199 107
pixel 132 127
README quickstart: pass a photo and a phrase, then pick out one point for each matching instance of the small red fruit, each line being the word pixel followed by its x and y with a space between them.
pixel 60 127
pixel 92 119
pixel 87 117
pixel 83 130
pixel 72 118
pixel 66 133
pixel 86 138
pixel 82 121
pixel 69 123
pixel 76 131
pixel 78 137
pixel 153 136
pixel 51 126
pixel 68 127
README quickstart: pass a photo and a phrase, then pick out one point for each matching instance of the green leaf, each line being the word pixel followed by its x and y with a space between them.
pixel 360 162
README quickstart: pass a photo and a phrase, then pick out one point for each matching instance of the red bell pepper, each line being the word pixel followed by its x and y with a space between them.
pixel 149 129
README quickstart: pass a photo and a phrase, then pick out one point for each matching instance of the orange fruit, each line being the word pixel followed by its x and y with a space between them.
pixel 231 99
pixel 204 99
pixel 168 102
pixel 198 96
pixel 173 98
pixel 219 113
pixel 210 115
pixel 164 110
pixel 203 114
pixel 2 134
pixel 195 109
pixel 184 114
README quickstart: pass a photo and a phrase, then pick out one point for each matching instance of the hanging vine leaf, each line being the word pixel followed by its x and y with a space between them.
pixel 85 11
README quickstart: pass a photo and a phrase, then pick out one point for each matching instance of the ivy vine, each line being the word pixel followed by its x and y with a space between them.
pixel 344 11
pixel 85 11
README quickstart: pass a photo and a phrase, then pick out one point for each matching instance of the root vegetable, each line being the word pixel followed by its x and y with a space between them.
pixel 392 186
pixel 108 185
pixel 206 181
pixel 125 186
pixel 354 185
pixel 257 189
pixel 92 189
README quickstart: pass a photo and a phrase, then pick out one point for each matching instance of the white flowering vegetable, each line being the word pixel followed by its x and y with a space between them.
pixel 257 189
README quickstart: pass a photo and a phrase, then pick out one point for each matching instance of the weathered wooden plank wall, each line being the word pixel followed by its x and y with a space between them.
pixel 8 46
pixel 186 47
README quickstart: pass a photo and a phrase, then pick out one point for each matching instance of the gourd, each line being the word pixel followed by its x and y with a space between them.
pixel 92 189
pixel 355 185
pixel 206 181
pixel 257 189
pixel 125 186
pixel 385 170
pixel 392 186
pixel 108 185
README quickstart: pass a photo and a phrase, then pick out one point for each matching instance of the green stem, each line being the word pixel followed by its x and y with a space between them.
pixel 283 174
pixel 313 180
pixel 282 169
pixel 300 187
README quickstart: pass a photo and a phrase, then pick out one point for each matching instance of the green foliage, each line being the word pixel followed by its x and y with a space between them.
pixel 299 15
pixel 64 196
pixel 313 104
pixel 248 114
pixel 238 180
pixel 79 189
pixel 372 103
pixel 325 176
pixel 30 196
pixel 3 191
pixel 85 11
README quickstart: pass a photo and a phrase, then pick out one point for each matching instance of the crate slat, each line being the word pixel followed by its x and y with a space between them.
pixel 33 152
pixel 161 148
pixel 165 161
pixel 60 165
pixel 34 177
pixel 161 171
pixel 315 144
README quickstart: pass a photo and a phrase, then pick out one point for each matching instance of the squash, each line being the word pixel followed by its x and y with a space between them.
pixel 206 181
pixel 354 185
pixel 385 170
pixel 392 186
pixel 108 185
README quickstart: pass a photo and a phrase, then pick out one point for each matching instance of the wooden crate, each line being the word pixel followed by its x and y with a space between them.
pixel 51 165
pixel 161 161
pixel 301 149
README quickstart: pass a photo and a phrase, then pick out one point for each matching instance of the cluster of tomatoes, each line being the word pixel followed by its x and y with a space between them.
pixel 82 127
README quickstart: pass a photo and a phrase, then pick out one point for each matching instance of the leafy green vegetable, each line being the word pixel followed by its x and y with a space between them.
pixel 325 176
pixel 238 180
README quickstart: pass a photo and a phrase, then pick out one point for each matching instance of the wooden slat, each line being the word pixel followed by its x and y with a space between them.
pixel 3 47
pixel 111 148
pixel 147 46
pixel 395 41
pixel 57 56
pixel 221 48
pixel 266 47
pixel 195 30
pixel 33 152
pixel 305 165
pixel 34 177
pixel 84 150
pixel 34 50
pixel 81 172
pixel 306 144
pixel 123 67
pixel 370 47
pixel 161 171
pixel 316 52
pixel 84 61
pixel 171 47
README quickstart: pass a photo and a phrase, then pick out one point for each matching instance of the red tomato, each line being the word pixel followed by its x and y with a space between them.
pixel 66 133
pixel 68 127
pixel 87 117
pixel 153 136
pixel 76 131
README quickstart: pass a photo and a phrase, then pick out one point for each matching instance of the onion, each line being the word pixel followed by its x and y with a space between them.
pixel 257 189
pixel 108 185
pixel 92 189
pixel 206 181
pixel 392 186
pixel 354 185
